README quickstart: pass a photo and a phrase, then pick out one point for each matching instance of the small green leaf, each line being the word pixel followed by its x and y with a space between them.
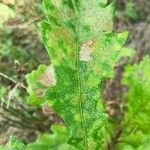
pixel 5 13
pixel 137 77
pixel 55 141
pixel 38 81
pixel 137 112
pixel 13 144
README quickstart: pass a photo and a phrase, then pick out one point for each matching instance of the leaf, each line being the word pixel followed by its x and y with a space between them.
pixel 2 148
pixel 55 141
pixel 131 12
pixel 137 112
pixel 137 78
pixel 5 13
pixel 83 55
pixel 145 146
pixel 46 141
pixel 13 144
pixel 135 138
pixel 38 81
pixel 123 146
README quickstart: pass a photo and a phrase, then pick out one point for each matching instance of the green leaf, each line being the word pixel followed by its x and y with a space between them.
pixel 130 11
pixel 13 144
pixel 46 141
pixel 55 141
pixel 134 138
pixel 136 120
pixel 83 55
pixel 123 146
pixel 145 146
pixel 137 78
pixel 2 148
pixel 38 81
pixel 5 13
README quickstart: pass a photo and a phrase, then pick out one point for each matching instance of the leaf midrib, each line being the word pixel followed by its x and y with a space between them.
pixel 77 18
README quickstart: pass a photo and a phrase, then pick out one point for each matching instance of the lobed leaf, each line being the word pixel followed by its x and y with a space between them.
pixel 38 81
pixel 83 50
pixel 55 141
pixel 136 121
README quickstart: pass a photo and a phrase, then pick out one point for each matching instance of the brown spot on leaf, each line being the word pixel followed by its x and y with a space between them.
pixel 48 77
pixel 86 51
pixel 40 92
pixel 47 110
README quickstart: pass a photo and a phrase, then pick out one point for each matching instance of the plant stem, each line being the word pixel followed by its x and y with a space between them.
pixel 12 80
pixel 114 140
